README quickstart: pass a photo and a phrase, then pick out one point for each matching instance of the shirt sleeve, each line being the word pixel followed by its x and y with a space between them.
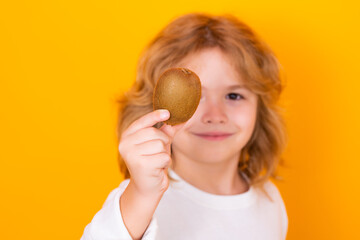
pixel 108 224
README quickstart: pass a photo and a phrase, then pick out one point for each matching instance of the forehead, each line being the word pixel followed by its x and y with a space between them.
pixel 215 69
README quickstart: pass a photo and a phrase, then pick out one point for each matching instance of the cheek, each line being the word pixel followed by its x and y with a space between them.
pixel 180 141
pixel 245 118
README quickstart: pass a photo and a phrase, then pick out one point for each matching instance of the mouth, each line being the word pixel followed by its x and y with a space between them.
pixel 213 136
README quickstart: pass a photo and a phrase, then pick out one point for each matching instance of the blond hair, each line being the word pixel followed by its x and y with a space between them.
pixel 253 59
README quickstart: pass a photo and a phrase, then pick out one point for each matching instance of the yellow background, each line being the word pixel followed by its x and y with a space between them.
pixel 63 63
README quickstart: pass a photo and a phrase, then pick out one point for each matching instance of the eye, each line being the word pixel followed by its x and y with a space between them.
pixel 234 96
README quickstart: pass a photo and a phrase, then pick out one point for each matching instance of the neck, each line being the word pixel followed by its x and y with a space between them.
pixel 220 178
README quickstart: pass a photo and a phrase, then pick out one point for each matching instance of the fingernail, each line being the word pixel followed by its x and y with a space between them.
pixel 164 114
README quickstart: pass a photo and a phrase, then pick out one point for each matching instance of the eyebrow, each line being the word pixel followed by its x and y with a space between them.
pixel 230 87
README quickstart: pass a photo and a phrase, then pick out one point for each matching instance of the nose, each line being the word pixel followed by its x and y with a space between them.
pixel 214 112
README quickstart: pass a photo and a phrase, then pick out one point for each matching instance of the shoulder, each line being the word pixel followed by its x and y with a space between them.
pixel 274 193
pixel 272 190
pixel 124 184
pixel 117 192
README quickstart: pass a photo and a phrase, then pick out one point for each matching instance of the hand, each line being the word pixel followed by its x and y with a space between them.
pixel 146 151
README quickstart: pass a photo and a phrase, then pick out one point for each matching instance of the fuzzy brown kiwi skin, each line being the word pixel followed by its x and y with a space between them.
pixel 167 95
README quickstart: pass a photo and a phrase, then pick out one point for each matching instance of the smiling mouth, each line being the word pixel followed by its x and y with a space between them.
pixel 213 137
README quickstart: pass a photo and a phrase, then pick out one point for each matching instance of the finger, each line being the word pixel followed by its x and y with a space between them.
pixel 168 148
pixel 148 120
pixel 159 161
pixel 171 130
pixel 148 134
pixel 151 147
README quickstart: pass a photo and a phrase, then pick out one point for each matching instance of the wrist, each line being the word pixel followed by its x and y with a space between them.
pixel 151 196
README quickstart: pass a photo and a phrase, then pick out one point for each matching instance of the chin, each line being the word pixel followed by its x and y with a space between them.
pixel 212 156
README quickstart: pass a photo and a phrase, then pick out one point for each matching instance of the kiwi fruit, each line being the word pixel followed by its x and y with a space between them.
pixel 178 90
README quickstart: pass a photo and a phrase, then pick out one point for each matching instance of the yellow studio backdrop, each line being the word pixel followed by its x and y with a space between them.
pixel 63 64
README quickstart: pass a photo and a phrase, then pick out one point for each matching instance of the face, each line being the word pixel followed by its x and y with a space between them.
pixel 225 118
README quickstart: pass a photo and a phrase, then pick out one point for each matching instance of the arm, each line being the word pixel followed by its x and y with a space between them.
pixel 108 222
pixel 146 152
pixel 147 155
pixel 137 210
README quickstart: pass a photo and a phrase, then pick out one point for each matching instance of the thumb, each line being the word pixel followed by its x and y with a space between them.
pixel 171 130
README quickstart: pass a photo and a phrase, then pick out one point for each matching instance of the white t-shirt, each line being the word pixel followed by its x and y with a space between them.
pixel 185 212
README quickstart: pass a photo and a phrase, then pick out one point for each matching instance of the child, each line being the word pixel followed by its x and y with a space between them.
pixel 208 178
